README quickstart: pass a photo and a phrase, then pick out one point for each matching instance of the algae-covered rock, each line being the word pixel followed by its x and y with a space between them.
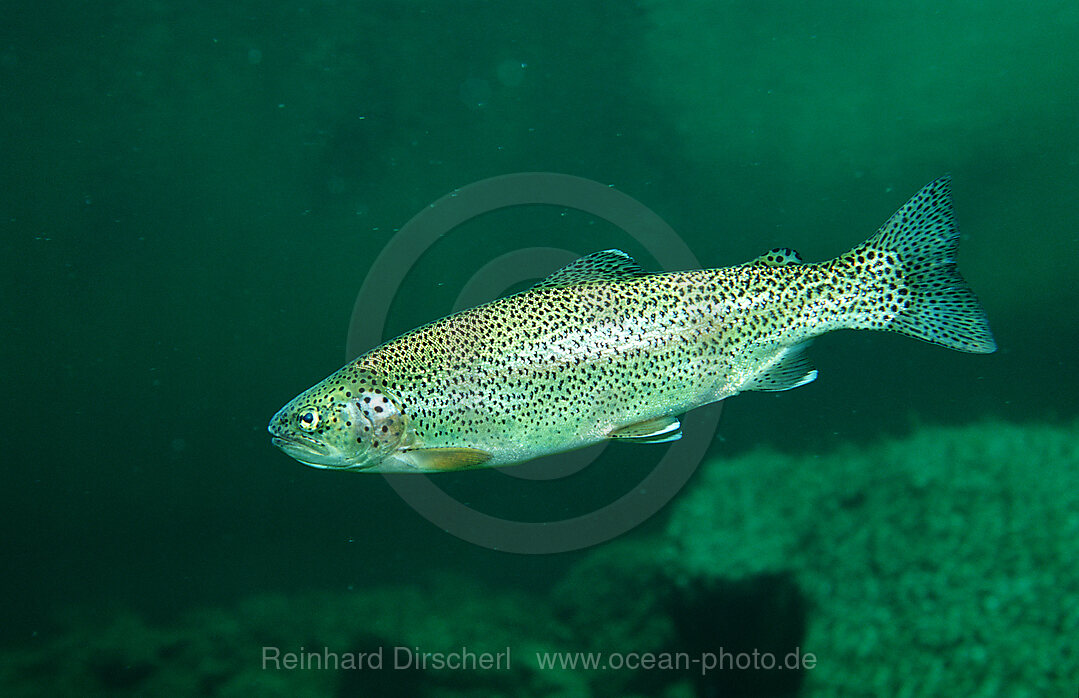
pixel 946 563
pixel 616 601
pixel 399 641
pixel 617 595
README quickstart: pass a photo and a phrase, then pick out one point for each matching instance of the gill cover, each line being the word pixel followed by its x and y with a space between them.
pixel 383 424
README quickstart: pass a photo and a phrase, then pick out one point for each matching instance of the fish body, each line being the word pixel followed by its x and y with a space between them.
pixel 604 350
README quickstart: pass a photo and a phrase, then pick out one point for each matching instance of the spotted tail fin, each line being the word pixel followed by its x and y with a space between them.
pixel 917 248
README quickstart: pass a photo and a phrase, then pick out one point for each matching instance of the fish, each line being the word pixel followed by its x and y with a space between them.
pixel 603 350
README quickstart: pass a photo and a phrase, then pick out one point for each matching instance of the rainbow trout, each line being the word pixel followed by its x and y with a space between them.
pixel 604 350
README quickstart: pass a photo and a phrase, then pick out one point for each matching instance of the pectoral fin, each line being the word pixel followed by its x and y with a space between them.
pixel 443 459
pixel 650 431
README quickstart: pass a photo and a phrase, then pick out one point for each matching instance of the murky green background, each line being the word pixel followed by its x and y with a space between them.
pixel 192 193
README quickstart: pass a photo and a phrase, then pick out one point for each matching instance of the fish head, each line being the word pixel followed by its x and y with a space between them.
pixel 350 421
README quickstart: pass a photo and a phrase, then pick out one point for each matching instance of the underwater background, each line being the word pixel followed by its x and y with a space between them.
pixel 193 194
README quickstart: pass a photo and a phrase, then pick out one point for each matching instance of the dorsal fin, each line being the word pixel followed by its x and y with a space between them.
pixel 779 257
pixel 608 265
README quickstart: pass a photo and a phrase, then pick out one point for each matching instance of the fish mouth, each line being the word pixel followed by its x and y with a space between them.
pixel 288 439
pixel 312 451
pixel 299 442
pixel 317 454
pixel 308 451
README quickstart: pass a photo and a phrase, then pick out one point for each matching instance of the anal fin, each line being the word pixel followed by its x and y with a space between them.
pixel 790 369
pixel 650 431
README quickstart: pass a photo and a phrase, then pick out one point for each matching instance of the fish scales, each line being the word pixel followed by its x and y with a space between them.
pixel 602 349
pixel 539 352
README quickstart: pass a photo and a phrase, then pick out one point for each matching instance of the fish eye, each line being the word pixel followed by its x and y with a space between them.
pixel 309 419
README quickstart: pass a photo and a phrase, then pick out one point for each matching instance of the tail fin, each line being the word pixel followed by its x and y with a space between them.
pixel 932 301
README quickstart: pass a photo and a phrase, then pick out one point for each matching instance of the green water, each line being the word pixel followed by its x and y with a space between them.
pixel 192 195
